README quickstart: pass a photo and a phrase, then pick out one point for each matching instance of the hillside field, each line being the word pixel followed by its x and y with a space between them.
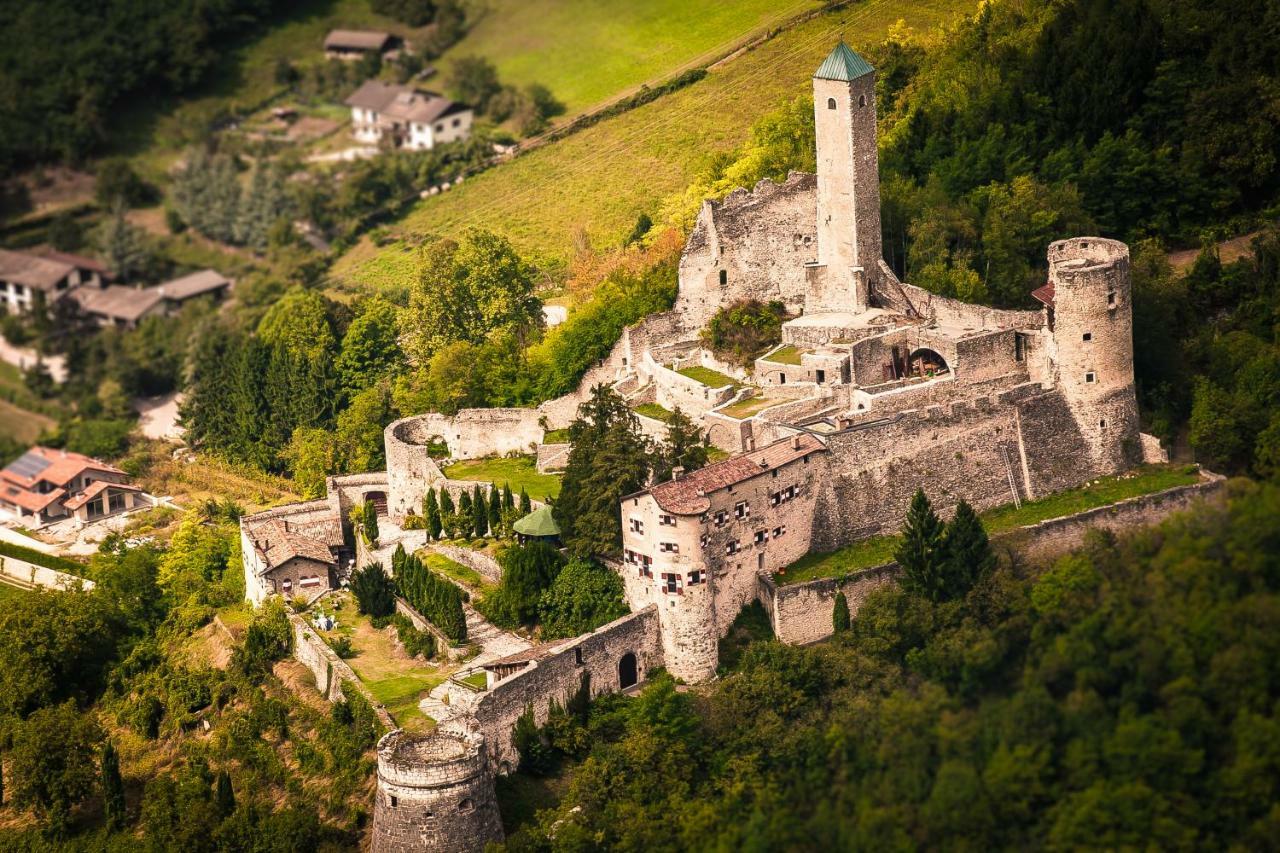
pixel 601 179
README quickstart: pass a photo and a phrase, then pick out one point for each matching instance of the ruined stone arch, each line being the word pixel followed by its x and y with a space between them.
pixel 628 671
pixel 924 361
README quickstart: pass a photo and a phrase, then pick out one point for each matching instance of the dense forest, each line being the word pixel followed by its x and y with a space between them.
pixel 1125 697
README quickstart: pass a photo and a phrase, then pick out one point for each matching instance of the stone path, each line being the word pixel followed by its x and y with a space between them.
pixel 447 701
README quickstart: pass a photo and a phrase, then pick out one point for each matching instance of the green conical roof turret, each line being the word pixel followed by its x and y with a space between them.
pixel 843 63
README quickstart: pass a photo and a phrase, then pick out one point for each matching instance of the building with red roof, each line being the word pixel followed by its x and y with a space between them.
pixel 46 484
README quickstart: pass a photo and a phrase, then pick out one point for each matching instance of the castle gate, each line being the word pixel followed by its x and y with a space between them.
pixel 627 671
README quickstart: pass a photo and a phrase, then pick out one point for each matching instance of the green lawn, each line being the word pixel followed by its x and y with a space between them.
pixel 601 178
pixel 707 376
pixel 519 471
pixel 1108 490
pixel 653 410
pixel 9 592
pixel 785 355
pixel 744 409
pixel 556 436
pixel 468 577
pixel 588 51
pixel 478 680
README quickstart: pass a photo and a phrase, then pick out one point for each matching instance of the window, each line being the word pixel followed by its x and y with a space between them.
pixel 697 577
pixel 1102 424
pixel 732 547
pixel 782 379
pixel 741 510
pixel 577 655
pixel 862 100
pixel 439 128
pixel 724 277
pixel 671 583
pixel 669 547
pixel 1087 336
pixel 466 806
pixel 1111 299
pixel 1019 347
pixel 457 122
pixel 1090 377
pixel 821 376
pixel 783 496
pixel 637 526
pixel 721 518
pixel 831 103
pixel 394 802
pixel 667 520
pixel 762 536
pixel 116 502
pixel 314 580
pixel 779 530
pixel 287 584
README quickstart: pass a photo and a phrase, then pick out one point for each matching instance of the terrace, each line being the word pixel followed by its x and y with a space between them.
pixel 707 376
pixel 519 471
pixel 749 407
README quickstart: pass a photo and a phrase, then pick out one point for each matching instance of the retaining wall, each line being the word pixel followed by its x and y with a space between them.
pixel 30 573
pixel 329 669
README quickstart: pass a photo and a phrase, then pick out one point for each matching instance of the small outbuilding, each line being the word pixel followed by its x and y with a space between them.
pixel 538 525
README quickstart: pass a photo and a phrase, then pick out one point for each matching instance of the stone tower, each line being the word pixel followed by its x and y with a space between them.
pixel 1092 322
pixel 435 793
pixel 849 250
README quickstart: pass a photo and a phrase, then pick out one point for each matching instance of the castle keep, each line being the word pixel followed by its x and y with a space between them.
pixel 877 388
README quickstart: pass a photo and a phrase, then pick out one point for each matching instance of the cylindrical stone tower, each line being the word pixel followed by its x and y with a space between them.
pixel 435 793
pixel 410 468
pixel 1093 338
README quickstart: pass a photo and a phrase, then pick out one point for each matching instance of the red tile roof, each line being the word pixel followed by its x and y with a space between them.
pixel 1044 294
pixel 687 496
pixel 63 467
pixel 278 541
pixel 96 489
pixel 28 500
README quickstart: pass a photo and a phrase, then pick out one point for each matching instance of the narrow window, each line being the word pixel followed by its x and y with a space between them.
pixel 1111 299
pixel 821 376
pixel 394 802
pixel 831 103
pixel 862 100
pixel 782 379
pixel 577 656
pixel 1102 424
pixel 1019 347
pixel 724 277
pixel 1089 377
pixel 1087 336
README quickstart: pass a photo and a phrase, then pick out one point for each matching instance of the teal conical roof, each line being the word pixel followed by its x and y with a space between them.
pixel 538 523
pixel 843 64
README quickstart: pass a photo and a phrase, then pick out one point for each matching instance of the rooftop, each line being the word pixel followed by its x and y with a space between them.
pixel 356 40
pixel 55 466
pixel 538 523
pixel 96 489
pixel 843 63
pixel 78 261
pixel 688 495
pixel 404 103
pixel 32 271
pixel 194 284
pixel 282 539
pixel 1044 294
pixel 119 302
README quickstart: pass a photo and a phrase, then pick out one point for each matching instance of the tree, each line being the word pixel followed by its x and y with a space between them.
pixel 508 500
pixel 431 509
pixel 51 763
pixel 265 204
pixel 921 552
pixel 744 330
pixel 967 556
pixel 54 646
pixel 224 799
pixel 479 512
pixel 527 570
pixel 122 244
pixel 609 458
pixel 415 13
pixel 526 505
pixel 583 596
pixel 840 616
pixel 118 183
pixel 495 509
pixel 374 590
pixel 684 447
pixel 446 502
pixel 113 807
pixel 369 523
pixel 65 233
pixel 474 81
pixel 299 322
pixel 370 348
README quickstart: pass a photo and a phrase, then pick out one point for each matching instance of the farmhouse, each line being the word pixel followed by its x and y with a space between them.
pixel 291 551
pixel 125 307
pixel 28 279
pixel 356 44
pixel 45 485
pixel 405 117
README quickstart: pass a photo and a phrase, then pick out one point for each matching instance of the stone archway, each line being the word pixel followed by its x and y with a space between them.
pixel 927 362
pixel 627 675
pixel 379 501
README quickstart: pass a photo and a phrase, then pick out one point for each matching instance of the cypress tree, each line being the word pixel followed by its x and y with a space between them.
pixel 225 797
pixel 921 552
pixel 446 503
pixel 495 509
pixel 479 512
pixel 508 500
pixel 112 788
pixel 840 617
pixel 431 510
pixel 466 515
pixel 967 554
pixel 371 523
pixel 526 506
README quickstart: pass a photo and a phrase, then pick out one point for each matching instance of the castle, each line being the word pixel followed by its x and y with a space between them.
pixel 877 388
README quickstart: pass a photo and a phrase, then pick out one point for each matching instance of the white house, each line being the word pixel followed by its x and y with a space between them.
pixel 406 117
pixel 23 275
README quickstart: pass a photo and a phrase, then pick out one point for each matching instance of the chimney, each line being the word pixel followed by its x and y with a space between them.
pixel 795 441
pixel 677 472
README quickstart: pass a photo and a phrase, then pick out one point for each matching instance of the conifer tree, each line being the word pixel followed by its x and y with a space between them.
pixel 446 502
pixel 431 509
pixel 495 509
pixel 371 523
pixel 224 800
pixel 967 554
pixel 683 447
pixel 921 553
pixel 508 500
pixel 112 787
pixel 479 512
pixel 840 617
pixel 466 518
pixel 121 244
pixel 526 506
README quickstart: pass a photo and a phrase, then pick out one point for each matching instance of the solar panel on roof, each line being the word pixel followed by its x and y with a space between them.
pixel 28 464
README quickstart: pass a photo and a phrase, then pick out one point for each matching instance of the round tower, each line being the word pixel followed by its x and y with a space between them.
pixel 435 793
pixel 410 468
pixel 1092 323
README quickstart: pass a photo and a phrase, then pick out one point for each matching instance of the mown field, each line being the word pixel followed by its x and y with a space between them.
pixel 588 51
pixel 601 179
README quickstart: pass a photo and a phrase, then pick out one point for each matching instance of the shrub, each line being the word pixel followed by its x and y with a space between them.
pixel 342 647
pixel 744 330
pixel 374 590
pixel 438 600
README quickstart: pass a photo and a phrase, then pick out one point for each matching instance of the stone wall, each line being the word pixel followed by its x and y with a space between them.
pixel 802 613
pixel 30 573
pixel 482 563
pixel 559 674
pixel 444 646
pixel 330 671
pixel 552 457
pixel 410 468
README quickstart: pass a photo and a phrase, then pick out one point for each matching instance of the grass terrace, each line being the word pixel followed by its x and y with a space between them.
pixel 40 558
pixel 475 582
pixel 478 680
pixel 744 409
pixel 653 410
pixel 10 591
pixel 1105 491
pixel 707 376
pixel 520 471
pixel 556 436
pixel 785 355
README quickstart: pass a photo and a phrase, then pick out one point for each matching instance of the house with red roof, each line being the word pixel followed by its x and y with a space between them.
pixel 46 484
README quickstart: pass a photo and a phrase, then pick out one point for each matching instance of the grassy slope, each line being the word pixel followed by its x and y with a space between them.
pixel 588 51
pixel 602 178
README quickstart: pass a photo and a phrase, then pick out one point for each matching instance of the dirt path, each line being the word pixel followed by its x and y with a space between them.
pixel 1228 250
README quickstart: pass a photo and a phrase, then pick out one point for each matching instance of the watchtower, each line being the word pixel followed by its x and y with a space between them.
pixel 435 793
pixel 849 246
pixel 1091 313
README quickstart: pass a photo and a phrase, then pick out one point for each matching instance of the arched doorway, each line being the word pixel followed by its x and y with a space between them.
pixel 379 501
pixel 627 671
pixel 927 362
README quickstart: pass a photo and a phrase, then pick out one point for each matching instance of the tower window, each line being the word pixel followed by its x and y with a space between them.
pixel 724 277
pixel 1090 377
pixel 394 802
pixel 831 103
pixel 1111 299
pixel 466 806
pixel 1102 424
pixel 862 100
pixel 1088 336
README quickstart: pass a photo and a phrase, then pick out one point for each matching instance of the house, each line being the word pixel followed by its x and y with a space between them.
pixel 405 117
pixel 44 485
pixel 291 551
pixel 355 44
pixel 125 307
pixel 93 273
pixel 23 275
